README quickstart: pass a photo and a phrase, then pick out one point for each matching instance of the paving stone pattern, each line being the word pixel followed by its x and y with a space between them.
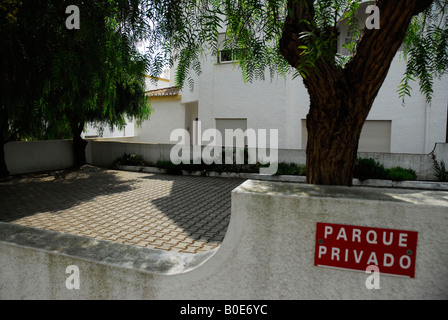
pixel 175 213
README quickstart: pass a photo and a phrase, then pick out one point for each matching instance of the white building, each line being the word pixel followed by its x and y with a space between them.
pixel 222 100
pixel 91 131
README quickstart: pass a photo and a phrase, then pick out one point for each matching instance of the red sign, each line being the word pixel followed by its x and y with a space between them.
pixel 356 248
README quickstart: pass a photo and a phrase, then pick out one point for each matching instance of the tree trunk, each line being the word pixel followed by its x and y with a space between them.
pixel 5 136
pixel 79 150
pixel 3 168
pixel 341 99
pixel 79 144
pixel 332 144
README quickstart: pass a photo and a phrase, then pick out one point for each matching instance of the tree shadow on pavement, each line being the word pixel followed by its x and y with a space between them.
pixel 201 206
pixel 29 194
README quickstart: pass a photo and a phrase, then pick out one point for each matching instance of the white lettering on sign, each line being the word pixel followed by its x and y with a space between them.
pixel 342 235
pixel 356 235
pixel 371 236
pixel 391 237
pixel 402 239
pixel 328 231
pixel 388 260
pixel 355 247
pixel 322 251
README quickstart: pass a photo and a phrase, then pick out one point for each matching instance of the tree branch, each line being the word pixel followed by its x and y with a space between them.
pixel 299 18
pixel 321 70
pixel 421 6
pixel 377 48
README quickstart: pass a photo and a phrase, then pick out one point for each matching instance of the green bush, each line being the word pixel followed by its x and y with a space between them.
pixel 283 168
pixel 129 160
pixel 171 168
pixel 364 169
pixel 369 169
pixel 440 170
pixel 291 169
pixel 401 174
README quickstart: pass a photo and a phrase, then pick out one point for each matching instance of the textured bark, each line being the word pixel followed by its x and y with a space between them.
pixel 79 149
pixel 3 168
pixel 333 136
pixel 79 144
pixel 340 100
pixel 5 137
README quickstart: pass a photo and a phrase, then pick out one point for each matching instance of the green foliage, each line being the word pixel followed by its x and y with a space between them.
pixel 185 31
pixel 283 168
pixel 192 28
pixel 401 174
pixel 216 167
pixel 55 79
pixel 129 160
pixel 291 169
pixel 372 169
pixel 21 70
pixel 440 170
pixel 369 169
pixel 96 72
pixel 171 168
pixel 364 169
pixel 426 50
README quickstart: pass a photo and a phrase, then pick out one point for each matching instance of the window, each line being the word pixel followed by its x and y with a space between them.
pixel 232 124
pixel 375 136
pixel 226 55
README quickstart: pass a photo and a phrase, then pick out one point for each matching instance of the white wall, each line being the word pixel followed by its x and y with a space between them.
pixel 91 131
pixel 224 95
pixel 168 114
pixel 160 83
pixel 35 156
pixel 411 131
pixel 283 103
pixel 129 129
pixel 267 253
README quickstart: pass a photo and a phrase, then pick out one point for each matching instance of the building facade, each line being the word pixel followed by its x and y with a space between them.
pixel 222 100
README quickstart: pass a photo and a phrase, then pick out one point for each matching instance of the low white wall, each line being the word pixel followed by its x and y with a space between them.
pixel 105 151
pixel 34 156
pixel 267 253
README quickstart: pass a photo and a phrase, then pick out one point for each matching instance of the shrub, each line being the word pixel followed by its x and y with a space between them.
pixel 369 169
pixel 401 174
pixel 440 170
pixel 171 168
pixel 302 171
pixel 291 169
pixel 129 160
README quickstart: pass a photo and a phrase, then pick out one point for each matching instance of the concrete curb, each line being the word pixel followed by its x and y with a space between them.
pixel 420 185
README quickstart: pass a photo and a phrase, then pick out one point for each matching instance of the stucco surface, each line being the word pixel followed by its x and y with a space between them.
pixel 267 253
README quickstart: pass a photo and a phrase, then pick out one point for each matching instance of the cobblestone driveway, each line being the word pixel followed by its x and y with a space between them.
pixel 179 213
